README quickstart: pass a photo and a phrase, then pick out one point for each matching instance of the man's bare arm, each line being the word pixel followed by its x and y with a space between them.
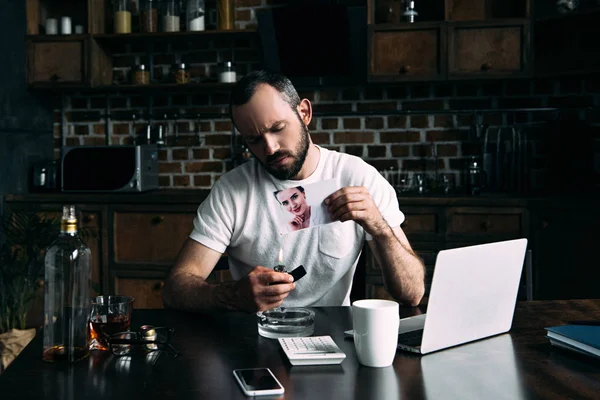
pixel 403 271
pixel 186 287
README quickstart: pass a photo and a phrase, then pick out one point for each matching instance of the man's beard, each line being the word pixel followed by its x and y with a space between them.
pixel 299 156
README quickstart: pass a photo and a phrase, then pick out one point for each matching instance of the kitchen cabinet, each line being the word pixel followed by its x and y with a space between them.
pixel 148 237
pixel 566 234
pixel 454 39
pixel 567 43
pixel 493 50
pixel 400 53
pixel 135 238
pixel 74 60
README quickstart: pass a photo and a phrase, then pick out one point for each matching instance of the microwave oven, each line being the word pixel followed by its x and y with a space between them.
pixel 122 168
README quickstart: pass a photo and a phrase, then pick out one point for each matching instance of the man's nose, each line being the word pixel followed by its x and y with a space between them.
pixel 271 144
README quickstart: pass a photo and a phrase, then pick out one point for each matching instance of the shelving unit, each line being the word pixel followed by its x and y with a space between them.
pixel 84 62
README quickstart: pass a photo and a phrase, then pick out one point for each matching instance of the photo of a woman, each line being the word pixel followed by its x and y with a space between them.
pixel 303 215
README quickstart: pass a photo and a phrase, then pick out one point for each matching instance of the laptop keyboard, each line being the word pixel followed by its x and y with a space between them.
pixel 412 338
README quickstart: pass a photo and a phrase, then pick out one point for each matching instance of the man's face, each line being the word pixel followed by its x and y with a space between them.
pixel 293 200
pixel 273 132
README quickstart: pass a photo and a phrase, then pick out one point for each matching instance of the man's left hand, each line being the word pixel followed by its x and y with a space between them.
pixel 355 203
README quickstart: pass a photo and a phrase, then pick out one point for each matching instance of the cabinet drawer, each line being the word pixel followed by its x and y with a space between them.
pixel 493 221
pixel 425 222
pixel 150 237
pixel 56 62
pixel 481 51
pixel 397 54
pixel 147 292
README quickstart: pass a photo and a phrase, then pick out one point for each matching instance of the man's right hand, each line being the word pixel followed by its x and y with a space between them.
pixel 262 289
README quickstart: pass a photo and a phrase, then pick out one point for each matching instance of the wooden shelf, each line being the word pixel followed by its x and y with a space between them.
pixel 57 38
pixel 114 37
pixel 111 37
pixel 154 87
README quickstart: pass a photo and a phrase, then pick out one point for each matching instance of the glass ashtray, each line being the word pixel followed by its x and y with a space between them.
pixel 286 322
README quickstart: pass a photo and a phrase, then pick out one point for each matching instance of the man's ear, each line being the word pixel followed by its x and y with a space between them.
pixel 305 111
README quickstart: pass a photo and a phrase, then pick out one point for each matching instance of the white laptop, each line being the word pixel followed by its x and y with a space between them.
pixel 473 295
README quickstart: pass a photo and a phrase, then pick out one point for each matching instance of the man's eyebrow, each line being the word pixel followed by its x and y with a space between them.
pixel 273 125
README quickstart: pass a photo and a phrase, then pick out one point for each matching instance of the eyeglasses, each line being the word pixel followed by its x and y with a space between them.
pixel 147 340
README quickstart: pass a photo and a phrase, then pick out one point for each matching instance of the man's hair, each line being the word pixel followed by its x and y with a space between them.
pixel 300 188
pixel 245 88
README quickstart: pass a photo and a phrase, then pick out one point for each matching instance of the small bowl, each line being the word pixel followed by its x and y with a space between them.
pixel 286 322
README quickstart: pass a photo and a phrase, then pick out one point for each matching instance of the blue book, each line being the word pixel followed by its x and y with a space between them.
pixel 576 337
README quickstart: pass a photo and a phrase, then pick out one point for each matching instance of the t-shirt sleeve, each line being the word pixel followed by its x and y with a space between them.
pixel 385 198
pixel 213 224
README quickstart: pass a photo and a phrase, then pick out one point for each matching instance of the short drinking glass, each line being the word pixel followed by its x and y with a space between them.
pixel 109 315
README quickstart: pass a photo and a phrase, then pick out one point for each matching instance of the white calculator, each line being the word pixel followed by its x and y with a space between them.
pixel 312 350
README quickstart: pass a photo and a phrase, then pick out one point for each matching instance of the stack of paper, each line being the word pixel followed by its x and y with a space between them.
pixel 583 339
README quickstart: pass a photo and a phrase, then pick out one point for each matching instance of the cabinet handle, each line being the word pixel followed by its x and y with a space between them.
pixel 89 218
pixel 54 78
pixel 157 220
pixel 486 225
pixel 39 283
pixel 158 286
pixel 486 67
pixel 405 69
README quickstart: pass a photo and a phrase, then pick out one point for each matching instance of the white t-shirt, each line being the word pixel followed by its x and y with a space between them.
pixel 237 218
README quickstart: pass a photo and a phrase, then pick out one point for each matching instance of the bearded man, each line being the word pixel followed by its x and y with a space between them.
pixel 237 217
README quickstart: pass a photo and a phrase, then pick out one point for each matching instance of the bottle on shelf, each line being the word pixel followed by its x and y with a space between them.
pixel 195 11
pixel 67 293
pixel 225 18
pixel 149 16
pixel 171 16
pixel 122 16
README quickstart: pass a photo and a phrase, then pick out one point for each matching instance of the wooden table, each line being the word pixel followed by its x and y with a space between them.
pixel 521 364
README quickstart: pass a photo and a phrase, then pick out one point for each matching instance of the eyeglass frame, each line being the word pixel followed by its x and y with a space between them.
pixel 114 339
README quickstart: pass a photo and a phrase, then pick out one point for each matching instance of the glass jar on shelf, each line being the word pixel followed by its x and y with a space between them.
pixel 149 16
pixel 122 16
pixel 171 16
pixel 227 72
pixel 141 75
pixel 180 73
pixel 195 10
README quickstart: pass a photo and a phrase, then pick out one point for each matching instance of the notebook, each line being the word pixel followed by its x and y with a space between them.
pixel 473 295
pixel 580 338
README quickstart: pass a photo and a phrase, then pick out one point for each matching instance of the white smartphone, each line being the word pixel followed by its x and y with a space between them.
pixel 257 381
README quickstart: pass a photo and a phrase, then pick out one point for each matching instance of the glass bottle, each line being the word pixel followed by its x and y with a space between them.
pixel 122 16
pixel 149 16
pixel 67 294
pixel 225 12
pixel 195 15
pixel 171 16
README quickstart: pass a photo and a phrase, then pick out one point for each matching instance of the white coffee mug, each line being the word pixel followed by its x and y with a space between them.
pixel 375 331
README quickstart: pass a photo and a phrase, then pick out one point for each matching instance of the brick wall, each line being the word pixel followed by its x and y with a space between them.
pixel 199 150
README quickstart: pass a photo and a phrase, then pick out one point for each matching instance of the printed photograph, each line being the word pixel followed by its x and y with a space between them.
pixel 302 207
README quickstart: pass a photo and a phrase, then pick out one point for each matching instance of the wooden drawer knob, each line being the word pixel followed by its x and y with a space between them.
pixel 486 66
pixel 405 69
pixel 157 220
pixel 89 218
pixel 486 225
pixel 158 286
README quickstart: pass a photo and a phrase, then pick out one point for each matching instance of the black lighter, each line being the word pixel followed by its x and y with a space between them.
pixel 296 273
